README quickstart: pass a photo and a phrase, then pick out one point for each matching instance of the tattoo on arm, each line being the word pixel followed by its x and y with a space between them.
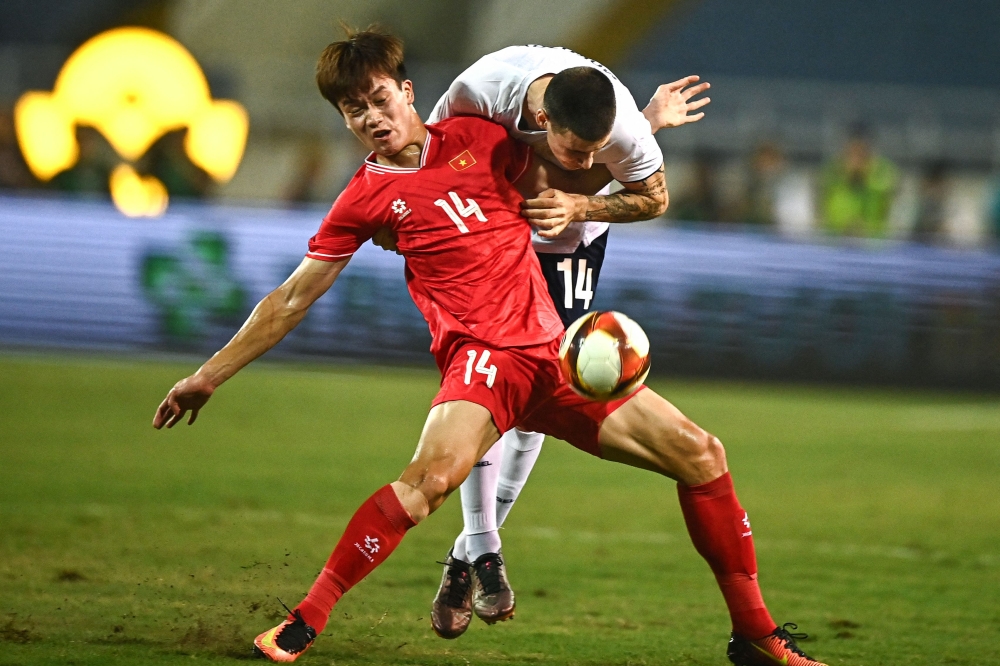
pixel 642 200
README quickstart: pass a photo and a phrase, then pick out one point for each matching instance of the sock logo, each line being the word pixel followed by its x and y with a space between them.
pixel 504 500
pixel 483 463
pixel 371 546
pixel 746 523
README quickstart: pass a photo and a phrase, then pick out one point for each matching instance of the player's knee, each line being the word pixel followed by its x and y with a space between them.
pixel 706 458
pixel 438 483
pixel 436 486
pixel 435 481
pixel 715 452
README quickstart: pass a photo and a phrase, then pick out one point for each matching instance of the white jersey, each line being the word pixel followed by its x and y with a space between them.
pixel 495 87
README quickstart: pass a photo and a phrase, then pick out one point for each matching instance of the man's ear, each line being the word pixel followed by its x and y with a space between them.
pixel 407 87
pixel 542 119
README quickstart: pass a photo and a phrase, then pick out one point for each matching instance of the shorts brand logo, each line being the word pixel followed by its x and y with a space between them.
pixel 746 523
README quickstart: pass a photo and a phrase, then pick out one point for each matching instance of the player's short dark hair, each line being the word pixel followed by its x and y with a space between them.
pixel 345 69
pixel 581 100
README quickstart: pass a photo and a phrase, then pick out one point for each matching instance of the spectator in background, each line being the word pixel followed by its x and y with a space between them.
pixel 14 173
pixel 931 223
pixel 858 190
pixel 767 168
pixel 699 202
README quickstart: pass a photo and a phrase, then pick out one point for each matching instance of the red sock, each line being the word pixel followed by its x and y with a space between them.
pixel 720 530
pixel 372 534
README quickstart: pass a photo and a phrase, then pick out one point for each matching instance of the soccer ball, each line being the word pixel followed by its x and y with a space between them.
pixel 604 355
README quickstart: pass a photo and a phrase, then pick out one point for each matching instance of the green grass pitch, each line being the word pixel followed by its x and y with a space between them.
pixel 876 517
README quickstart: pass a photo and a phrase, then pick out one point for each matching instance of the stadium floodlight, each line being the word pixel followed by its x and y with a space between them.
pixel 133 85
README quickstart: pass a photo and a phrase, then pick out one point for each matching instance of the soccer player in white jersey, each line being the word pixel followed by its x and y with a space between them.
pixel 561 104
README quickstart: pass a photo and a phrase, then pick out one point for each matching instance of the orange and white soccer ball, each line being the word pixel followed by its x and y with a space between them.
pixel 604 355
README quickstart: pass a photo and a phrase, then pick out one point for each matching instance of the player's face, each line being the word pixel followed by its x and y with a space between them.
pixel 382 117
pixel 573 152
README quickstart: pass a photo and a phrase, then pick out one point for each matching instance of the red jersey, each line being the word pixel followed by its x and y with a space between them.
pixel 470 267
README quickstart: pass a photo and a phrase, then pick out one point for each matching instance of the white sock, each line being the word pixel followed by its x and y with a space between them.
pixel 458 550
pixel 478 493
pixel 482 543
pixel 520 451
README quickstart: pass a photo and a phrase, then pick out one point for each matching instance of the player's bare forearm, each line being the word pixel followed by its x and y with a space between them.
pixel 553 210
pixel 642 200
pixel 272 319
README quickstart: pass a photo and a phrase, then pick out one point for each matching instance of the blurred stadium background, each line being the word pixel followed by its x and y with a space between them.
pixel 835 216
pixel 834 219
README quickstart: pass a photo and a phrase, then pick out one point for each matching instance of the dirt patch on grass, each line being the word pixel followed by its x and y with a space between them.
pixel 119 635
pixel 13 631
pixel 228 641
pixel 843 627
pixel 70 576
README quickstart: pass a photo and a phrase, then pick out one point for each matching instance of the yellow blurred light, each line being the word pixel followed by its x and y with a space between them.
pixel 129 131
pixel 41 124
pixel 133 85
pixel 135 195
pixel 216 138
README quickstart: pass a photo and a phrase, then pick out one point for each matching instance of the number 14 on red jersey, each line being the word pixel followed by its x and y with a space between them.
pixel 465 210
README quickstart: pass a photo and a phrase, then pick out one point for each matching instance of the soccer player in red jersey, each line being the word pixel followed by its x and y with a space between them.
pixel 447 193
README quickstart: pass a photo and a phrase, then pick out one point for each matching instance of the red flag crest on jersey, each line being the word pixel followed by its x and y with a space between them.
pixel 463 161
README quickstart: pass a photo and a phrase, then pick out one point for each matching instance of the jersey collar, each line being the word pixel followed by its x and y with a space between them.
pixel 374 166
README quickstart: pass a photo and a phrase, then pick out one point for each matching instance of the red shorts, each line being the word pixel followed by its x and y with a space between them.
pixel 523 387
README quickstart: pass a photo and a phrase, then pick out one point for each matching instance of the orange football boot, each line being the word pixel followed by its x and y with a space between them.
pixel 777 648
pixel 286 642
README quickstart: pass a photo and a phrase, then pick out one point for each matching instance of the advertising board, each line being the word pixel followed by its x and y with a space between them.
pixel 723 303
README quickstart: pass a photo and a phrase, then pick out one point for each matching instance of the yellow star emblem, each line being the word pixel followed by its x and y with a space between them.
pixel 462 161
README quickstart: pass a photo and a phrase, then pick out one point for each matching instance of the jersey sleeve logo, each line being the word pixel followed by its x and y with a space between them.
pixel 463 161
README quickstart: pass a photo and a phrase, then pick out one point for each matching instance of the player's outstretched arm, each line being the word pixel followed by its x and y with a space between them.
pixel 671 103
pixel 270 321
pixel 553 210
